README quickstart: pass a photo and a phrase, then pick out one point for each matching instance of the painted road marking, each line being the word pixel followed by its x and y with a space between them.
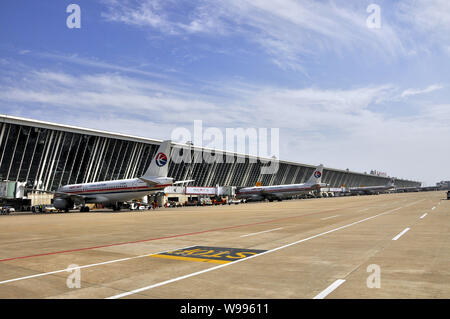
pixel 218 255
pixel 214 261
pixel 261 232
pixel 132 292
pixel 145 255
pixel 401 234
pixel 330 289
pixel 330 217
pixel 161 238
pixel 433 208
pixel 81 267
pixel 423 215
pixel 418 201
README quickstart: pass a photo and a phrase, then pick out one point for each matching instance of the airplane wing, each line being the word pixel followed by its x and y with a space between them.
pixel 182 182
pixel 148 181
pixel 73 197
pixel 318 186
pixel 156 180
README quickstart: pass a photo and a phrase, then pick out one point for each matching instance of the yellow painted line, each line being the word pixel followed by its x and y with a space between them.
pixel 192 259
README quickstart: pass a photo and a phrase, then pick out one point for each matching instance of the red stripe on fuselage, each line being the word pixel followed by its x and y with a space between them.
pixel 275 190
pixel 117 189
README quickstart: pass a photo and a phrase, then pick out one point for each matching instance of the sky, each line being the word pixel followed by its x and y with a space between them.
pixel 347 85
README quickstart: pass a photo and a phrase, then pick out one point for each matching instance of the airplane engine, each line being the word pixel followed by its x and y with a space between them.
pixel 63 203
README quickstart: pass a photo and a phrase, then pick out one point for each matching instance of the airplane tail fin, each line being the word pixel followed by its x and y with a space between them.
pixel 316 176
pixel 159 166
pixel 391 182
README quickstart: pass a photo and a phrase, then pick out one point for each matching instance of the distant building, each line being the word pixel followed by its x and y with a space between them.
pixel 443 184
pixel 46 155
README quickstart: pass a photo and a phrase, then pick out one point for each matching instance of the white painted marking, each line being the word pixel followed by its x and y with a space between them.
pixel 250 257
pixel 262 232
pixel 145 255
pixel 85 266
pixel 330 289
pixel 433 208
pixel 423 215
pixel 401 234
pixel 330 217
pixel 414 203
pixel 363 210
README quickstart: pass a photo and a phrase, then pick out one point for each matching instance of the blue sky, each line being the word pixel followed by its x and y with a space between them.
pixel 342 94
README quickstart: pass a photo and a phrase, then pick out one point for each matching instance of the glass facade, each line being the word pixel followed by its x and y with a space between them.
pixel 48 158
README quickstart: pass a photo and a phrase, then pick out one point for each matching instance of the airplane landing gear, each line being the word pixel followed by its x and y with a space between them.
pixel 117 207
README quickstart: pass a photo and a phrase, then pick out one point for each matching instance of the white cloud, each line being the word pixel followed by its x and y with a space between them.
pixel 157 14
pixel 287 30
pixel 428 15
pixel 108 94
pixel 428 18
pixel 75 59
pixel 294 28
pixel 293 31
pixel 338 127
pixel 429 89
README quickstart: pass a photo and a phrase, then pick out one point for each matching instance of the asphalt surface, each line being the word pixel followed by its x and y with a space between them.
pixel 385 246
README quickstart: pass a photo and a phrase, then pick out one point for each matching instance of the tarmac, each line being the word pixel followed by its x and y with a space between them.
pixel 383 246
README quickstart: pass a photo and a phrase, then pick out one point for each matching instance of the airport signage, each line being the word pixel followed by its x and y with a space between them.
pixel 219 255
pixel 191 190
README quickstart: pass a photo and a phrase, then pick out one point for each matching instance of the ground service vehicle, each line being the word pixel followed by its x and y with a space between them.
pixel 6 210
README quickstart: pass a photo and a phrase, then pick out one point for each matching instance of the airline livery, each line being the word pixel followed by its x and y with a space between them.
pixel 113 193
pixel 370 190
pixel 279 192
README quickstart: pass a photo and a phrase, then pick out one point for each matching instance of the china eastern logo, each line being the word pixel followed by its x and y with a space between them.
pixel 161 159
pixel 317 174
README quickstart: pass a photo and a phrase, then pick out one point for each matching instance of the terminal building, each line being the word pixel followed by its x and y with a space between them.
pixel 48 155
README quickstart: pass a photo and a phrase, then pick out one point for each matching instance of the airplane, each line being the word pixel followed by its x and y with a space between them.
pixel 409 189
pixel 371 190
pixel 113 193
pixel 279 192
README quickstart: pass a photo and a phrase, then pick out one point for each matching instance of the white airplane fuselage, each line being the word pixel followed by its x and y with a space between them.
pixel 114 192
pixel 371 189
pixel 279 192
pixel 109 192
pixel 274 192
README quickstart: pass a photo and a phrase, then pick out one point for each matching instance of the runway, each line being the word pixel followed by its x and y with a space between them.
pixel 385 246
